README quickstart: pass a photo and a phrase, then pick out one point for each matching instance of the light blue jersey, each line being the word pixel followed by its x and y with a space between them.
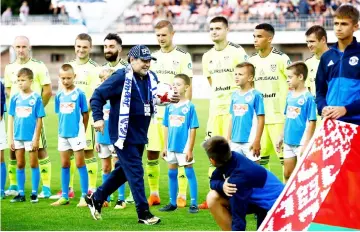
pixel 69 106
pixel 244 109
pixel 105 138
pixel 180 119
pixel 298 110
pixel 26 110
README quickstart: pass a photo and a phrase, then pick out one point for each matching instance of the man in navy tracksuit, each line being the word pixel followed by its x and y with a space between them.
pixel 129 167
pixel 338 76
pixel 239 186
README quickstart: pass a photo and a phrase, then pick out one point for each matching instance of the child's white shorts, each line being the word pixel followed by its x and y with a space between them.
pixel 23 144
pixel 75 144
pixel 244 148
pixel 291 151
pixel 106 151
pixel 177 158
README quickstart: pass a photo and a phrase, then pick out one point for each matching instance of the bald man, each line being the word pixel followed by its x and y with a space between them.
pixel 42 86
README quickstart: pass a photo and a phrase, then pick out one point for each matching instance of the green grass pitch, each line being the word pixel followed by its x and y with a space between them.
pixel 41 216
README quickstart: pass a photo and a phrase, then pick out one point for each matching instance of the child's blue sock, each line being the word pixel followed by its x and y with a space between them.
pixel 35 180
pixel 173 185
pixel 20 177
pixel 65 181
pixel 84 180
pixel 190 174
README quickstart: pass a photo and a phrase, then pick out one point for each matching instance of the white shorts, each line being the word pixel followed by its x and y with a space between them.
pixel 23 144
pixel 106 151
pixel 177 158
pixel 245 149
pixel 75 144
pixel 291 151
pixel 3 140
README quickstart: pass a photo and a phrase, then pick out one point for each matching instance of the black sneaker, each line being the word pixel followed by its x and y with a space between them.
pixel 34 198
pixel 193 209
pixel 18 198
pixel 167 208
pixel 120 204
pixel 94 206
pixel 148 219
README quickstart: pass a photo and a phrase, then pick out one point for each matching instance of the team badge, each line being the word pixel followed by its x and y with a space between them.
pixel 248 98
pixel 353 61
pixel 175 63
pixel 189 66
pixel 185 110
pixel 74 97
pixel 301 101
pixel 226 57
pixel 88 142
pixel 273 67
pixel 32 102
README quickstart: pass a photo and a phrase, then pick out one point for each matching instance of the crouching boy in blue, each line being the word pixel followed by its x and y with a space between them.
pixel 238 186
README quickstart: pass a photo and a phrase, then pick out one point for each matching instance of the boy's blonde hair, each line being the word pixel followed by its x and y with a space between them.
pixel 106 72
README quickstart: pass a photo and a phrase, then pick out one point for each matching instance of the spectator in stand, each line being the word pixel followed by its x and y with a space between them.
pixel 6 16
pixel 226 10
pixel 185 11
pixel 24 12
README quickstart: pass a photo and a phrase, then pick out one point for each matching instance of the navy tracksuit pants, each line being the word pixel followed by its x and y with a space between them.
pixel 128 168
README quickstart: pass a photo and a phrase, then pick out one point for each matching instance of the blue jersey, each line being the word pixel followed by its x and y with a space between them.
pixel 105 138
pixel 244 109
pixel 180 119
pixel 298 110
pixel 69 106
pixel 26 110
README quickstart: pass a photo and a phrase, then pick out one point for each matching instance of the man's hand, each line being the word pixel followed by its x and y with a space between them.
pixel 164 153
pixel 12 145
pixel 336 112
pixel 255 147
pixel 175 98
pixel 325 111
pixel 97 147
pixel 279 144
pixel 229 189
pixel 99 126
pixel 189 156
pixel 35 145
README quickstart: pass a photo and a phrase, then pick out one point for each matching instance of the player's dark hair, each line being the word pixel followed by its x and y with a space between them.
pixel 26 72
pixel 347 11
pixel 266 27
pixel 184 77
pixel 319 32
pixel 247 65
pixel 84 36
pixel 218 149
pixel 67 67
pixel 299 67
pixel 113 36
pixel 220 19
pixel 164 23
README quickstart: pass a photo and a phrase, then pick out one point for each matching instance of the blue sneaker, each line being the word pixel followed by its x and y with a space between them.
pixel 45 193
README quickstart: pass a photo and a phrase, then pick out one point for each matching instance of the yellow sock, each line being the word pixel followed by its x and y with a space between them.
pixel 92 168
pixel 183 182
pixel 45 171
pixel 153 173
pixel 12 172
pixel 72 171
pixel 210 172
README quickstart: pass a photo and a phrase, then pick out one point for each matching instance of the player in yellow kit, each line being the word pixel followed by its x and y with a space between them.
pixel 171 60
pixel 218 66
pixel 316 40
pixel 87 79
pixel 42 86
pixel 270 80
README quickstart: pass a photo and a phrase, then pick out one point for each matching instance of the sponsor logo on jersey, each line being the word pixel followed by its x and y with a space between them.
pixel 67 107
pixel 267 78
pixel 240 109
pixel 353 60
pixel 23 111
pixel 292 112
pixel 172 72
pixel 81 83
pixel 176 120
pixel 222 88
pixel 269 95
pixel 224 70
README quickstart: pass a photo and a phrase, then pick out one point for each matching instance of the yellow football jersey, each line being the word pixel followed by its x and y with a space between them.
pixel 270 80
pixel 312 63
pixel 41 75
pixel 121 64
pixel 169 64
pixel 87 76
pixel 220 66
